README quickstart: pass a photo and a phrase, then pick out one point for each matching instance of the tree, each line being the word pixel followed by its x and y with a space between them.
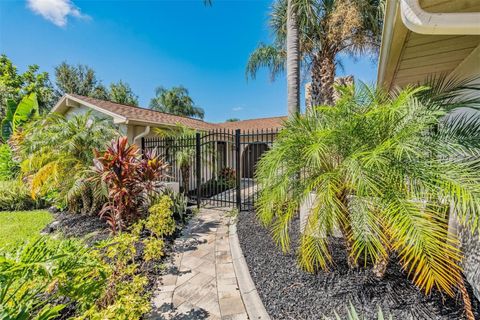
pixel 176 101
pixel 122 93
pixel 373 163
pixel 15 86
pixel 293 60
pixel 57 159
pixel 327 28
pixel 184 152
pixel 232 120
pixel 18 114
pixel 80 79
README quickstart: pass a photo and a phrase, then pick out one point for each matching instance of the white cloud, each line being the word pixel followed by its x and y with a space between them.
pixel 237 108
pixel 56 11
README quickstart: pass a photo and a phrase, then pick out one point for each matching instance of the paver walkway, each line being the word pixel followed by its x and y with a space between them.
pixel 201 281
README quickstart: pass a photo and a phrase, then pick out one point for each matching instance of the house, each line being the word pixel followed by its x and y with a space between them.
pixel 424 38
pixel 135 122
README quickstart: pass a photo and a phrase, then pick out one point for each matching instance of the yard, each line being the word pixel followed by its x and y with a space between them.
pixel 20 226
pixel 358 201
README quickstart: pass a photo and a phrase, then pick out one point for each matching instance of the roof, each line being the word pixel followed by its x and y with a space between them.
pixel 136 115
pixel 408 57
pixel 255 124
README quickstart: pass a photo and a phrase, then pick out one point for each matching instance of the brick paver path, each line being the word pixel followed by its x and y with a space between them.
pixel 201 281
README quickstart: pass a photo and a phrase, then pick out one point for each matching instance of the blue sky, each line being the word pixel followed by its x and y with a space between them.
pixel 152 43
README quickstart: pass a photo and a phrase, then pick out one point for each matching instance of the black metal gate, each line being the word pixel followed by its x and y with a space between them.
pixel 215 167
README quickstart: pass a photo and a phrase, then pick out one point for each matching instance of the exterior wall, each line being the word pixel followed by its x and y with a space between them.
pixel 82 110
pixel 470 243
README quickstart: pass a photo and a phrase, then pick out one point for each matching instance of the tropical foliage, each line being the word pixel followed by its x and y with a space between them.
pixel 326 29
pixel 175 101
pixel 179 140
pixel 8 166
pixel 130 179
pixel 57 158
pixel 386 170
pixel 18 114
pixel 41 279
pixel 14 85
pixel 15 195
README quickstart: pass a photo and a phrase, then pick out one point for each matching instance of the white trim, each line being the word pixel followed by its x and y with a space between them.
pixel 387 36
pixel 117 118
pixel 420 21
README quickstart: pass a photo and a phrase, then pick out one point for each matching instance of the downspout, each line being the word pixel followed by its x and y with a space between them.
pixel 420 21
pixel 141 135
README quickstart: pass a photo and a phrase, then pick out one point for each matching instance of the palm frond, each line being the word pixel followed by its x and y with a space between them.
pixel 266 56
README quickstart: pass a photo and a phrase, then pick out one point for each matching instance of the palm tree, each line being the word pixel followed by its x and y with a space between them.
pixel 176 101
pixel 293 61
pixel 57 158
pixel 326 28
pixel 181 139
pixel 385 169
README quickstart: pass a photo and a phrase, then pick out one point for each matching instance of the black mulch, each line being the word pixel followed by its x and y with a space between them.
pixel 91 228
pixel 289 293
pixel 71 225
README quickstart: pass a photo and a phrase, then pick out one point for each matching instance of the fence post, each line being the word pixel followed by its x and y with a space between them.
pixel 143 145
pixel 237 170
pixel 198 170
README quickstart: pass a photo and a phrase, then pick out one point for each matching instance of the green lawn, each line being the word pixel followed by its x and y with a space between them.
pixel 18 226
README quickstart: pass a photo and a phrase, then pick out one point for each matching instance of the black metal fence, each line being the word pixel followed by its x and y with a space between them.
pixel 215 167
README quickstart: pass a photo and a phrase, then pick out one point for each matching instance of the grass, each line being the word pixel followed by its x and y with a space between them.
pixel 19 226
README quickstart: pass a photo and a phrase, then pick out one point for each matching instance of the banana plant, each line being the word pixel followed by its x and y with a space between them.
pixel 18 114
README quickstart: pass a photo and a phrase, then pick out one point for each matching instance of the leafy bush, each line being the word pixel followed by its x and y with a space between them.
pixel 227 176
pixel 42 278
pixel 373 161
pixel 130 179
pixel 14 195
pixel 56 160
pixel 179 204
pixel 36 276
pixel 8 167
pixel 125 296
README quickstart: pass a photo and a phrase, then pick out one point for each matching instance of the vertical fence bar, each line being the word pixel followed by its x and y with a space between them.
pixel 237 167
pixel 198 166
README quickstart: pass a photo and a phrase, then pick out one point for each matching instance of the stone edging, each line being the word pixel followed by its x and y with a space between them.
pixel 251 299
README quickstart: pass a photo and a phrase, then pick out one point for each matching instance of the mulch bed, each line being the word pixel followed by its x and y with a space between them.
pixel 72 225
pixel 92 229
pixel 289 293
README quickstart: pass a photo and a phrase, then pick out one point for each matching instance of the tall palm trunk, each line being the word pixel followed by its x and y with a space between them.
pixel 346 229
pixel 185 171
pixel 293 61
pixel 326 78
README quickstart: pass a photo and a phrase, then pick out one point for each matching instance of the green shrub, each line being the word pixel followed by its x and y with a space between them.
pixel 39 279
pixel 35 276
pixel 8 167
pixel 14 195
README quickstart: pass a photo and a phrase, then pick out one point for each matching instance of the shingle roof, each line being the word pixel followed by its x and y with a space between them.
pixel 255 124
pixel 133 113
pixel 146 115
